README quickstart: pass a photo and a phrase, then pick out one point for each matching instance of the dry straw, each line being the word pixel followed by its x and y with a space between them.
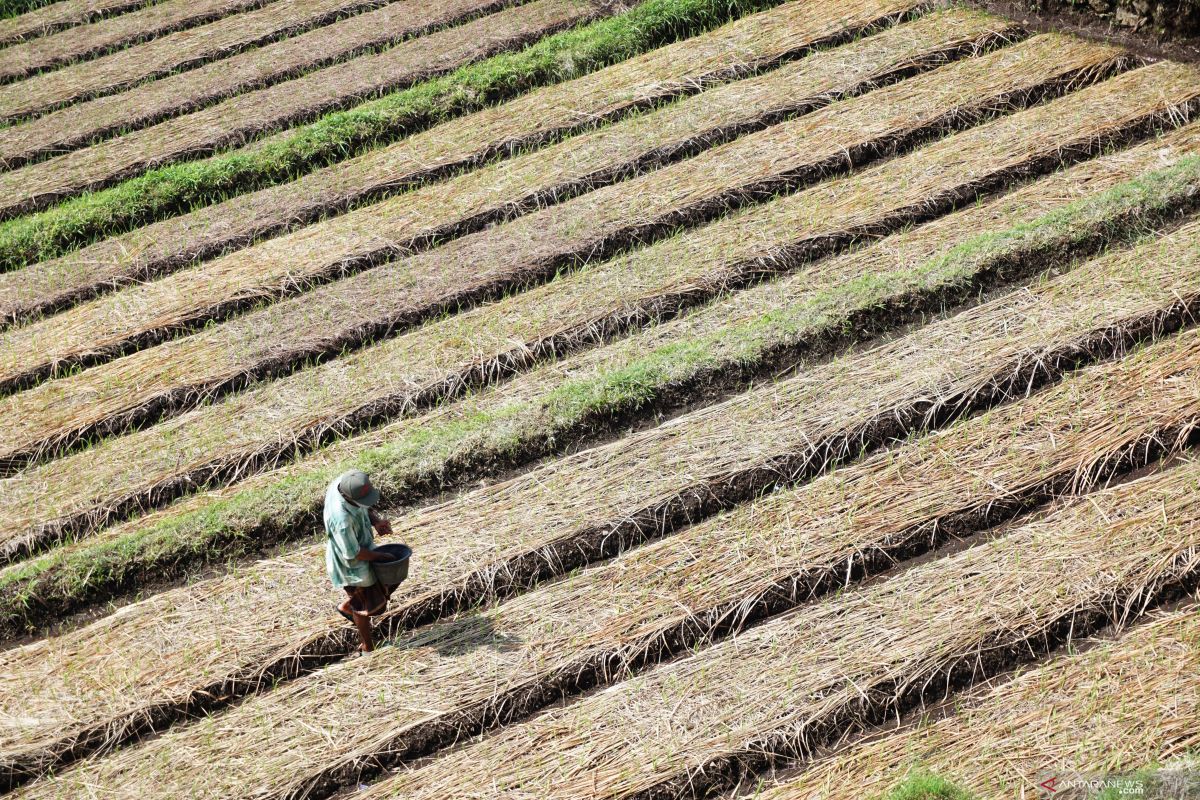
pixel 54 17
pixel 331 318
pixel 444 682
pixel 83 123
pixel 92 38
pixel 212 639
pixel 293 263
pixel 1118 707
pixel 815 675
pixel 214 42
pixel 236 119
pixel 732 51
pixel 419 366
pixel 865 290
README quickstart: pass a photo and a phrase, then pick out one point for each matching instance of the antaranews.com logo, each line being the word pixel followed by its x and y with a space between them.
pixel 1165 783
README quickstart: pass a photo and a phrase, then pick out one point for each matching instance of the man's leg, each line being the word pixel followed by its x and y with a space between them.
pixel 362 622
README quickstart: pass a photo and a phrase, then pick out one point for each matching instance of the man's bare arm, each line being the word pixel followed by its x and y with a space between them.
pixel 372 555
pixel 380 524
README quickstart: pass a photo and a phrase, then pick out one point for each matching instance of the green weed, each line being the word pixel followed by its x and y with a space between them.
pixel 921 785
pixel 178 188
pixel 423 454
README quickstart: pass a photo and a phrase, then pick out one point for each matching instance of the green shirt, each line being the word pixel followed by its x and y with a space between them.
pixel 347 530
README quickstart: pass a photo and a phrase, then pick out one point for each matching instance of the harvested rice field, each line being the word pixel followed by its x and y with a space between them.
pixel 778 399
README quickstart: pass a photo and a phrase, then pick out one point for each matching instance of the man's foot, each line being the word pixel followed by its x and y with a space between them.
pixel 344 610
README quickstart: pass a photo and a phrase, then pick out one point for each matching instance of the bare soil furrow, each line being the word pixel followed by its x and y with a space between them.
pixel 557 405
pixel 238 119
pixel 1131 700
pixel 600 502
pixel 374 304
pixel 85 123
pixel 84 41
pixel 698 725
pixel 56 16
pixel 730 52
pixel 707 582
pixel 144 315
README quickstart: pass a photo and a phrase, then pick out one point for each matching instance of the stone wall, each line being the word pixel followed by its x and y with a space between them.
pixel 1168 18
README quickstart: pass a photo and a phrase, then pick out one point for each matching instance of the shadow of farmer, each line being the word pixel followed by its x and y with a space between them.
pixel 460 636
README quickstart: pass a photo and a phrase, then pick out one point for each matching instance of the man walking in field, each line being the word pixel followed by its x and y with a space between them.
pixel 349 517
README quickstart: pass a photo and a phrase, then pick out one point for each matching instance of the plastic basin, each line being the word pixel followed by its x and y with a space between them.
pixel 394 571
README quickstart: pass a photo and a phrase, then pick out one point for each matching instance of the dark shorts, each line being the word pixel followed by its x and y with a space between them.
pixel 369 600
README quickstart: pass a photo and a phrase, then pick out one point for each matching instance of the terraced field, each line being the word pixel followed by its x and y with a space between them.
pixel 781 399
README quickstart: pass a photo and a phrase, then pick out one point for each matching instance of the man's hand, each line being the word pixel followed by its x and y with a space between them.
pixel 380 524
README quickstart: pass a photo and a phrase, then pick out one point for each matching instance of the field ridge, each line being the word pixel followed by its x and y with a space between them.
pixel 23 59
pixel 918 638
pixel 254 114
pixel 601 103
pixel 51 16
pixel 77 123
pixel 1067 324
pixel 42 432
pixel 1158 412
pixel 169 191
pixel 435 216
pixel 653 372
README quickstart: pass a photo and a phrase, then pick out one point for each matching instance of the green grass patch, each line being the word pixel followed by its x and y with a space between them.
pixel 493 433
pixel 13 8
pixel 175 189
pixel 923 785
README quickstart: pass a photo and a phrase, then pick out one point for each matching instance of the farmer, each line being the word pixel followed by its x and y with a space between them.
pixel 349 515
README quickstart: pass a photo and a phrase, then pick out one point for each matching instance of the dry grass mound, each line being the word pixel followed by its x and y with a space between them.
pixel 328 729
pixel 1119 706
pixel 84 123
pixel 349 313
pixel 189 49
pixel 510 187
pixel 235 120
pixel 760 330
pixel 587 227
pixel 819 673
pixel 52 16
pixel 732 51
pixel 164 649
pixel 678 593
pixel 75 43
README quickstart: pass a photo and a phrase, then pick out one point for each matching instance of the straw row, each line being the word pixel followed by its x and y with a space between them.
pixel 421 367
pixel 85 41
pixel 214 42
pixel 1109 712
pixel 231 122
pixel 446 682
pixel 276 422
pixel 730 52
pixel 357 310
pixel 177 189
pixel 50 16
pixel 560 404
pixel 232 635
pixel 809 678
pixel 179 51
pixel 143 315
pixel 86 123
